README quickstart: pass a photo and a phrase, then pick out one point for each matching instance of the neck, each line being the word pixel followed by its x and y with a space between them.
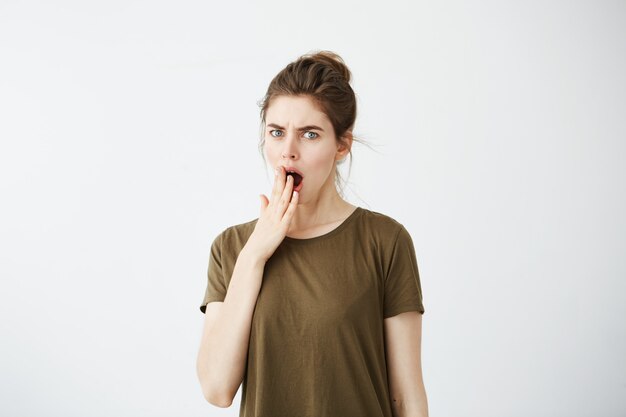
pixel 326 207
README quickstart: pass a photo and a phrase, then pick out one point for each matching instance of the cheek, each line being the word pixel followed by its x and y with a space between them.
pixel 322 164
pixel 325 159
pixel 271 153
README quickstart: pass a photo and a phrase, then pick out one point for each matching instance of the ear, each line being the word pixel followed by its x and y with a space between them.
pixel 344 149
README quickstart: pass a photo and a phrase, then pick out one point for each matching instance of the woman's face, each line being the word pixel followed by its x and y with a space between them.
pixel 299 135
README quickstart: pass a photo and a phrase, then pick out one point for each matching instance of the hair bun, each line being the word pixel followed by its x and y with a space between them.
pixel 329 58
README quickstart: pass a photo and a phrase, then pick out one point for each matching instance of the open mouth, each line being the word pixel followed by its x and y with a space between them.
pixel 297 180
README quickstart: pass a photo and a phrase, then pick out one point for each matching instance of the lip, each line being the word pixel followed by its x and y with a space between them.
pixel 292 169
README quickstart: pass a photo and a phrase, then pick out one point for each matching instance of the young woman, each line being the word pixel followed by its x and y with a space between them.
pixel 316 305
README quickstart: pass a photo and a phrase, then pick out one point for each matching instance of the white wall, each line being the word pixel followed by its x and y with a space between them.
pixel 129 140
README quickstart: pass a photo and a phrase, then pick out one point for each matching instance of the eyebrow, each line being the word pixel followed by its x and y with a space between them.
pixel 308 127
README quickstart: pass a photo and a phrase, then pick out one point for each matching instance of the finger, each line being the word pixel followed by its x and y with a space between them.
pixel 279 183
pixel 291 209
pixel 286 194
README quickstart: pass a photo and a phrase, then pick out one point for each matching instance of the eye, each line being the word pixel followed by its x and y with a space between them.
pixel 314 137
pixel 272 134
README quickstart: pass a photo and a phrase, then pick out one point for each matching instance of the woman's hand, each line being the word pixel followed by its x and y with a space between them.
pixel 275 218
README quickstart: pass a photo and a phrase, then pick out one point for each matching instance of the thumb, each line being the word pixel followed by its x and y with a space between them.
pixel 264 201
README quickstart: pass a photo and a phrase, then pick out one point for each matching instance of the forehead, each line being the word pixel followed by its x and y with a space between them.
pixel 296 110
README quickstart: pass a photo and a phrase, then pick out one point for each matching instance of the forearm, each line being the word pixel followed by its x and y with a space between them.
pixel 221 363
pixel 417 406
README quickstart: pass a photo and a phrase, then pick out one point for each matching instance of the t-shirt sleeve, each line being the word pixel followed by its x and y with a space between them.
pixel 403 291
pixel 216 285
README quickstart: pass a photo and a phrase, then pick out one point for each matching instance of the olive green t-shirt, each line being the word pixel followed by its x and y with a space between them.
pixel 316 344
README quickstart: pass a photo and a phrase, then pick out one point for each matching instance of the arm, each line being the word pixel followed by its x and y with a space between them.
pixel 403 339
pixel 223 350
pixel 221 363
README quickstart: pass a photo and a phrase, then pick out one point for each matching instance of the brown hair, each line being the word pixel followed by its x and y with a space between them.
pixel 324 77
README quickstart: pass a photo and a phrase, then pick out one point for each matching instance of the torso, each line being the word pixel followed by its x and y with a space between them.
pixel 321 229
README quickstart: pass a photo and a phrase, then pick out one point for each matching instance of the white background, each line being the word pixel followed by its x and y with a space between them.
pixel 129 137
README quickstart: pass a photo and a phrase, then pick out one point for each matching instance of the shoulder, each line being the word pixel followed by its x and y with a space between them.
pixel 240 229
pixel 381 224
pixel 237 235
pixel 383 231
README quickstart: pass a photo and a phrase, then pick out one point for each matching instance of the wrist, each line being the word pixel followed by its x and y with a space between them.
pixel 251 256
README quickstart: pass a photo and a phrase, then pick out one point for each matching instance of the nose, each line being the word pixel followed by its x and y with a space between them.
pixel 290 150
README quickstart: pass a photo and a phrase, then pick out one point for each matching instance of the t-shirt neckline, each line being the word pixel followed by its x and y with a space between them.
pixel 327 235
